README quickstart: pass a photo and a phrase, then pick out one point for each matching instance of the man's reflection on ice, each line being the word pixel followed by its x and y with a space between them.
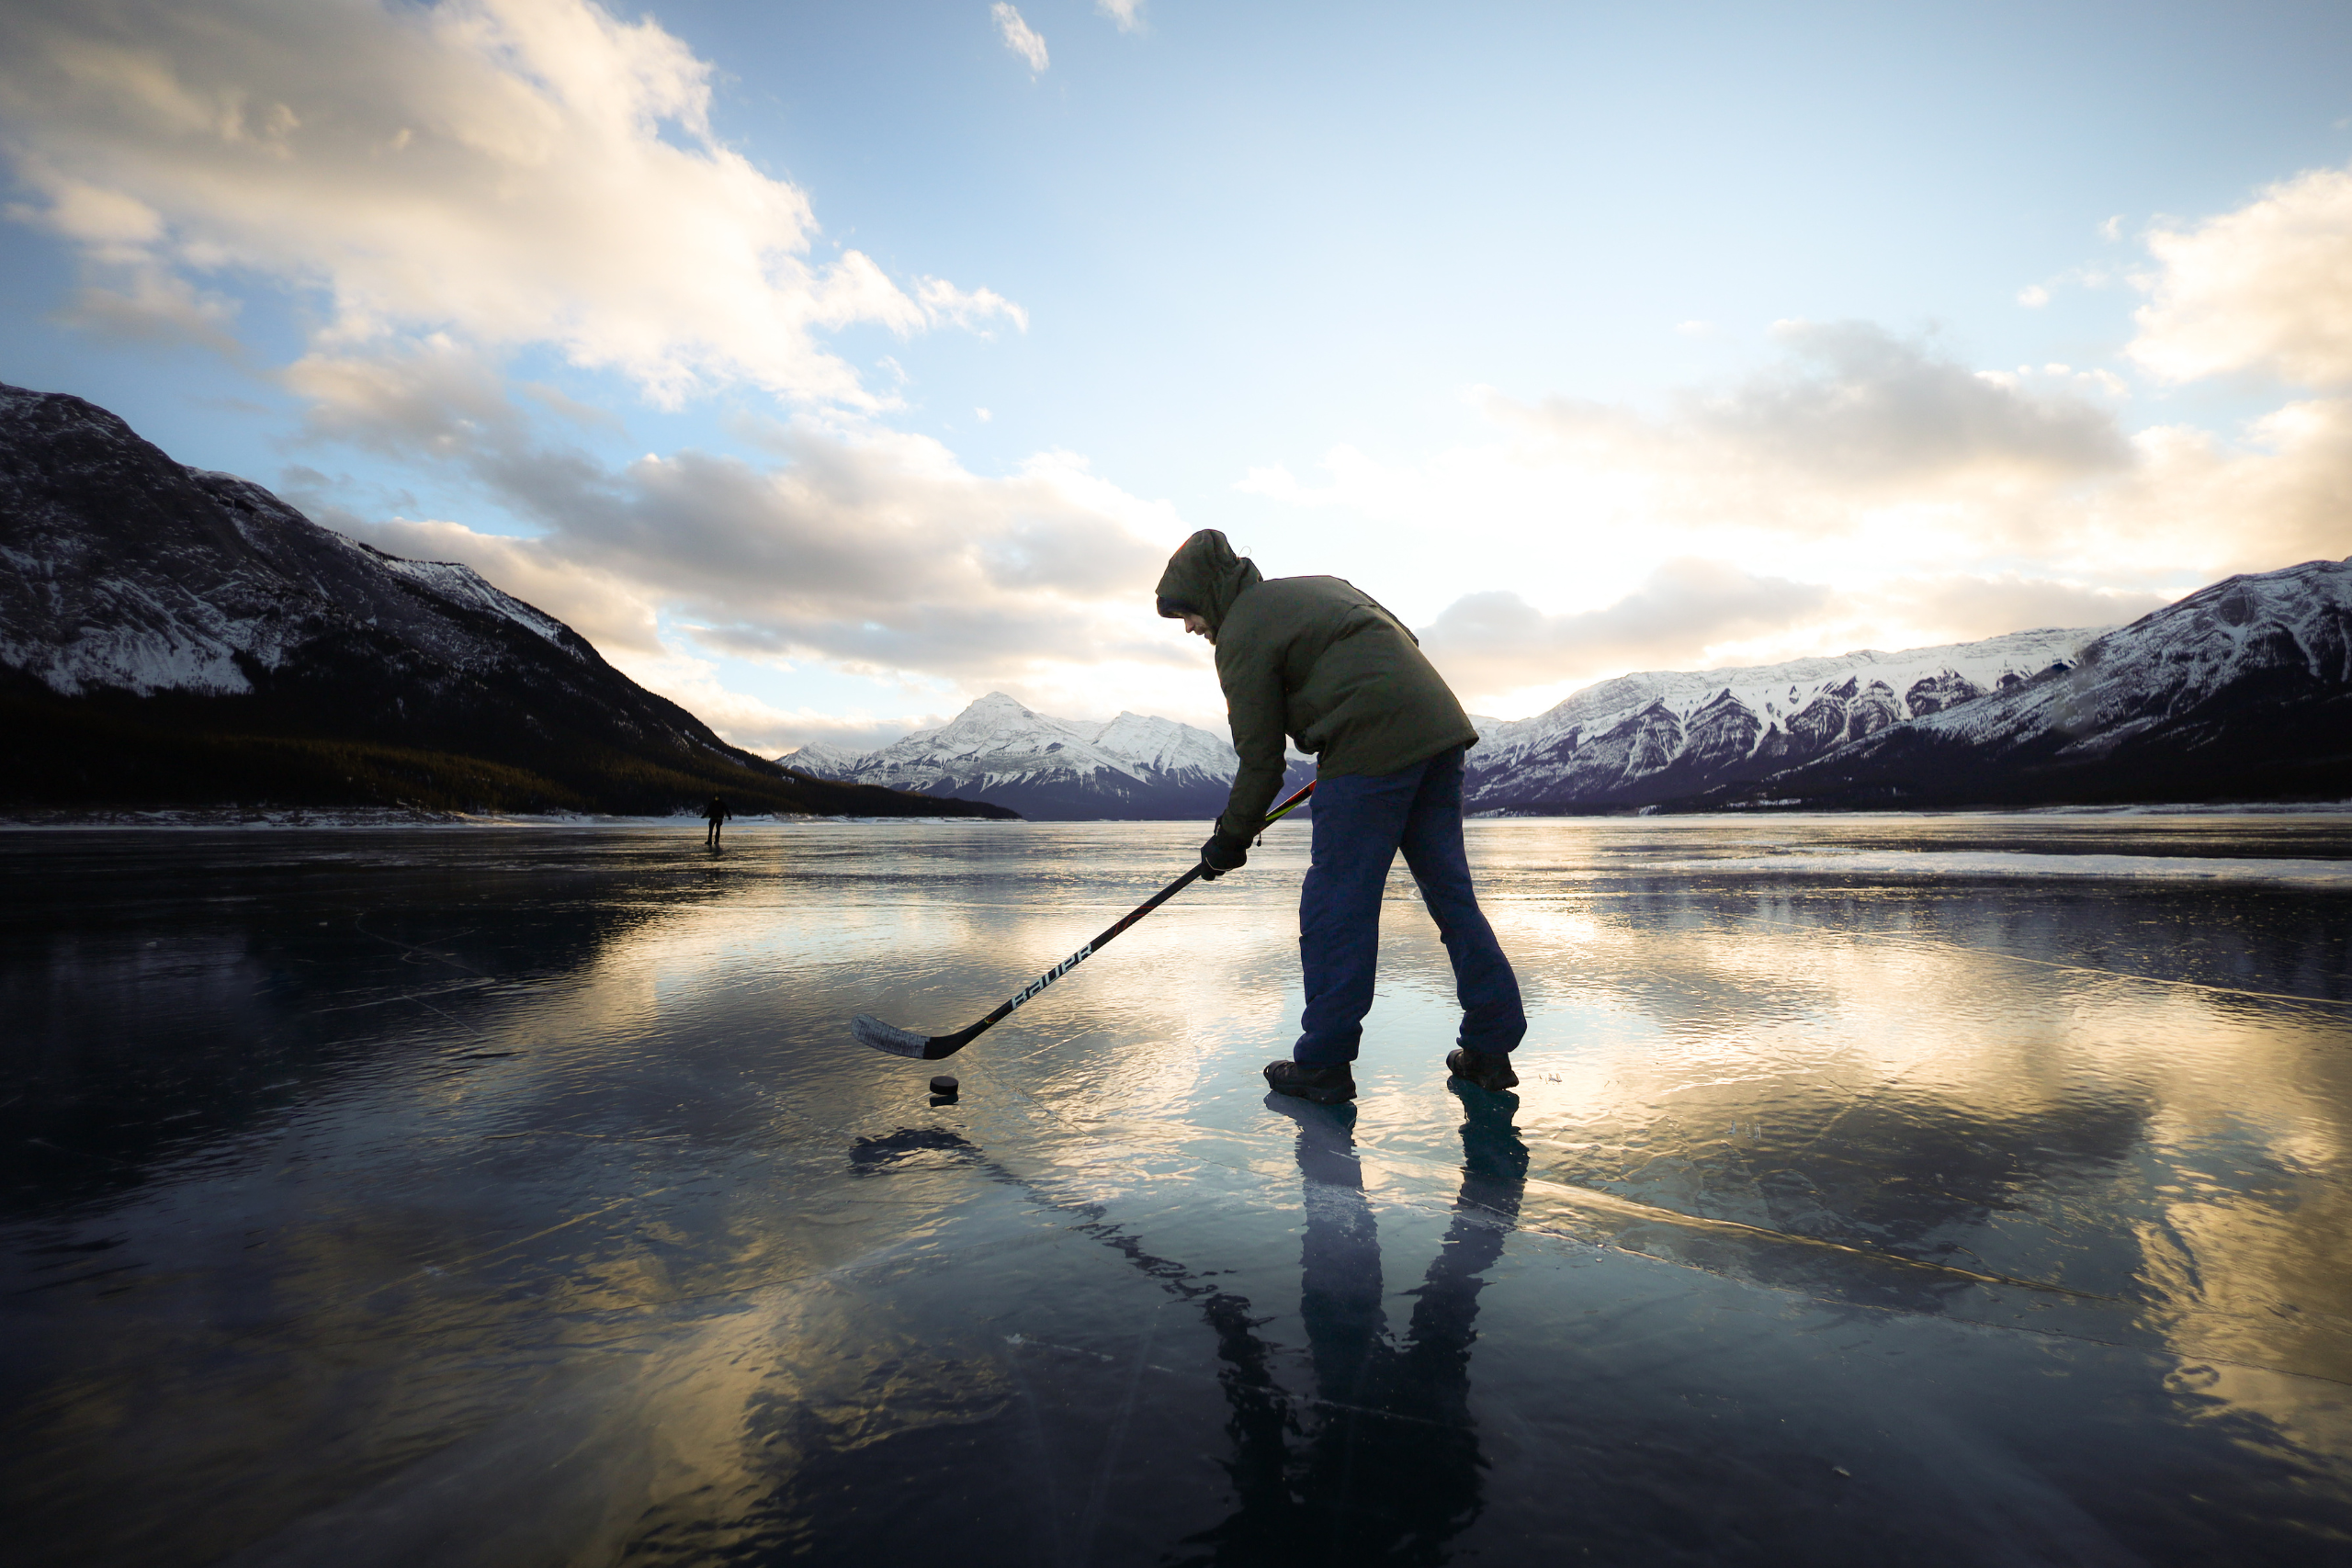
pixel 1381 1461
pixel 1382 1464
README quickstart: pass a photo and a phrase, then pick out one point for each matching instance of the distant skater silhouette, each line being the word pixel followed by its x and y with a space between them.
pixel 716 813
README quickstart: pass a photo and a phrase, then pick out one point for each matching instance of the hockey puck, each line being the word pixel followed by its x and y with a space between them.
pixel 944 1084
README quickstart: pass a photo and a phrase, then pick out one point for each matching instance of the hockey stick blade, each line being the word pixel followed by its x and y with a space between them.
pixel 872 1030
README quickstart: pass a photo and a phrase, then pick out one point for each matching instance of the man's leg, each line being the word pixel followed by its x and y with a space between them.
pixel 1492 1018
pixel 1357 821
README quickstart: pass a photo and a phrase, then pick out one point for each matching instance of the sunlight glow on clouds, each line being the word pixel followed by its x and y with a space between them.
pixel 1865 491
pixel 510 172
pixel 1487 642
pixel 874 551
pixel 757 724
pixel 440 190
pixel 2267 287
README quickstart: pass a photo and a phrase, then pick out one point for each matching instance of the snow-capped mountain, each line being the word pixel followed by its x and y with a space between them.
pixel 1662 735
pixel 1050 768
pixel 1637 739
pixel 174 637
pixel 820 760
pixel 2241 691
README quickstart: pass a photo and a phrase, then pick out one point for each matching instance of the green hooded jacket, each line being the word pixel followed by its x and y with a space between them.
pixel 1314 658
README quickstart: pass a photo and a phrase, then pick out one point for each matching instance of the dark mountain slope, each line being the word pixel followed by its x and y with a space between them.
pixel 2241 691
pixel 171 637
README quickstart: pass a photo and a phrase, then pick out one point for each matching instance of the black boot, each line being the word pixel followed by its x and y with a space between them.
pixel 1488 1070
pixel 1333 1085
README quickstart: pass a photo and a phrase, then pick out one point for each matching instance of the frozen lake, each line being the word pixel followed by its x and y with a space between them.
pixel 1963 1190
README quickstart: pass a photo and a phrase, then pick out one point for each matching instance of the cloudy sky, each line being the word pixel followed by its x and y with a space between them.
pixel 832 364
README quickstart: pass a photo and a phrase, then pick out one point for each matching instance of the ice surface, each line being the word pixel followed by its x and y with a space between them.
pixel 519 1197
pixel 1904 864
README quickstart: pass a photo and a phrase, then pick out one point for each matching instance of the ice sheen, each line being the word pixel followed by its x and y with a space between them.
pixel 2324 875
pixel 491 1200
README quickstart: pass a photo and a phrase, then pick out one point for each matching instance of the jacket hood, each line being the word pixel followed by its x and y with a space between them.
pixel 1205 576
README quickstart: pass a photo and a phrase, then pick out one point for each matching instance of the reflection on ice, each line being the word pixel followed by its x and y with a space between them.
pixel 517 1197
pixel 1916 863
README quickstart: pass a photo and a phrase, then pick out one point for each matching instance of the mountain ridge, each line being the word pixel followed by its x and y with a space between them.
pixel 2241 690
pixel 1136 765
pixel 1655 735
pixel 1732 737
pixel 1133 767
pixel 172 636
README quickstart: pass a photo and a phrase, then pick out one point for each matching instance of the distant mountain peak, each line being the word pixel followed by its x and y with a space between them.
pixel 1000 750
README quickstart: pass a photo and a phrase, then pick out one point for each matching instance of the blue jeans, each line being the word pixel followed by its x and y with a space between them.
pixel 1360 821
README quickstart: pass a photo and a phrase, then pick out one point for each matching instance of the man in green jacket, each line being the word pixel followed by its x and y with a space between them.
pixel 1318 659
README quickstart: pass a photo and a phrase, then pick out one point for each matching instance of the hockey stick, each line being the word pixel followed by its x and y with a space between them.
pixel 899 1041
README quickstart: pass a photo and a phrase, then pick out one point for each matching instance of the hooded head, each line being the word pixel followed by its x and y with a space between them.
pixel 1206 577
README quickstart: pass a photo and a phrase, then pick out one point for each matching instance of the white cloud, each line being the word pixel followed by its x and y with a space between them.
pixel 1853 424
pixel 2209 505
pixel 501 171
pixel 875 552
pixel 1507 656
pixel 1963 607
pixel 1127 15
pixel 559 402
pixel 615 608
pixel 2267 287
pixel 943 301
pixel 1019 36
pixel 751 722
pixel 148 304
pixel 1495 643
pixel 433 398
pixel 2034 296
pixel 610 609
pixel 1865 491
pixel 1853 399
pixel 439 185
pixel 856 732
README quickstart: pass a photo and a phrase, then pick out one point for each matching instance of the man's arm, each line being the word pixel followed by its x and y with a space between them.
pixel 1256 707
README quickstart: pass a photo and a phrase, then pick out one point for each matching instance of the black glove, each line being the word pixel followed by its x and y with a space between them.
pixel 1221 854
